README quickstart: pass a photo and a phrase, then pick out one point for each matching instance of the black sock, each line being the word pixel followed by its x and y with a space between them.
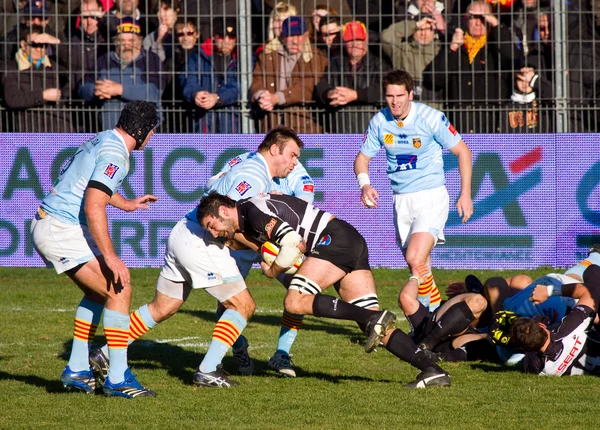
pixel 456 319
pixel 402 346
pixel 458 354
pixel 332 307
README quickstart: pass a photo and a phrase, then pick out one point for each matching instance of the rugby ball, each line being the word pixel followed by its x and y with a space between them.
pixel 270 251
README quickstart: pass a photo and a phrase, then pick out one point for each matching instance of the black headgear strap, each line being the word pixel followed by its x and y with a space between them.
pixel 138 119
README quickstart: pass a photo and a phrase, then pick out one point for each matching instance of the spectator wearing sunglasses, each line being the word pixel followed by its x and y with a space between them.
pixel 476 70
pixel 212 81
pixel 32 80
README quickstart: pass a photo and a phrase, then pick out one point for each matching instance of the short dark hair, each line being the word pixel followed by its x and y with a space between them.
pixel 170 4
pixel 330 19
pixel 279 136
pixel 209 205
pixel 398 77
pixel 527 334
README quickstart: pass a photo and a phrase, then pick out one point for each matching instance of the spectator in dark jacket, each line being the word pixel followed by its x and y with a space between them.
pixel 352 80
pixel 125 74
pixel 476 71
pixel 212 81
pixel 31 80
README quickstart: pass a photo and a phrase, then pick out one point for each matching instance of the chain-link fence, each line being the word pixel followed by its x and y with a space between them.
pixel 522 66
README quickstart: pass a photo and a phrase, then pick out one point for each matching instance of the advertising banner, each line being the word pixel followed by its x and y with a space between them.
pixel 536 197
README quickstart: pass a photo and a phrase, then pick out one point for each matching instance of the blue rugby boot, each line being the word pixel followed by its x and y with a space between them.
pixel 130 388
pixel 78 381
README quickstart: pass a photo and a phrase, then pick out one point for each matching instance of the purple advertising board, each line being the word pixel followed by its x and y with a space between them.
pixel 536 197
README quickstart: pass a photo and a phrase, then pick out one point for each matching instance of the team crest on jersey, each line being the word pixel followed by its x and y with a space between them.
pixel 324 241
pixel 309 188
pixel 400 124
pixel 417 142
pixel 388 138
pixel 270 226
pixel 243 187
pixel 234 161
pixel 452 129
pixel 111 170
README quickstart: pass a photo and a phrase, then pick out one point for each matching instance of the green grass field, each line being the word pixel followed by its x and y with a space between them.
pixel 339 386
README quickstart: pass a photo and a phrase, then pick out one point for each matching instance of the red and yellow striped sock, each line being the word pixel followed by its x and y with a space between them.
pixel 116 338
pixel 137 327
pixel 425 290
pixel 435 299
pixel 225 332
pixel 84 330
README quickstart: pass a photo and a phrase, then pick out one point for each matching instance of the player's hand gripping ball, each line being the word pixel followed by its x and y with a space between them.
pixel 270 251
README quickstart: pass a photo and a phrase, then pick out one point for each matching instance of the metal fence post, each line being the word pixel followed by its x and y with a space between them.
pixel 561 66
pixel 245 64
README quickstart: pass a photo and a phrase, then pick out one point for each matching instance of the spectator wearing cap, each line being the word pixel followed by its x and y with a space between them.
pixel 211 82
pixel 125 74
pixel 352 80
pixel 412 46
pixel 162 41
pixel 30 81
pixel 283 81
pixel 35 12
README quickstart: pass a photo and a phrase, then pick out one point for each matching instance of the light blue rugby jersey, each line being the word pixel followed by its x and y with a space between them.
pixel 248 175
pixel 413 150
pixel 104 159
pixel 298 183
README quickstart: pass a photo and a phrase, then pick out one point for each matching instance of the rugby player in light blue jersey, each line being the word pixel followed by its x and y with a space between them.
pixel 298 183
pixel 195 260
pixel 413 136
pixel 248 175
pixel 70 232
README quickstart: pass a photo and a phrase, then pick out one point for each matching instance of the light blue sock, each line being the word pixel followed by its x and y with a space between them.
pixel 117 351
pixel 228 328
pixel 290 323
pixel 579 268
pixel 135 330
pixel 241 340
pixel 88 314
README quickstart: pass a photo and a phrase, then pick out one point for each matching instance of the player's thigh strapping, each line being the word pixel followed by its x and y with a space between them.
pixel 421 212
pixel 194 257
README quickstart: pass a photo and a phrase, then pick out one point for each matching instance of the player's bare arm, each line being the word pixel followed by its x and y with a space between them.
pixel 95 212
pixel 143 202
pixel 369 195
pixel 464 205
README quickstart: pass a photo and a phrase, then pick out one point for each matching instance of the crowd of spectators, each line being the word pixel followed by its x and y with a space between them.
pixel 316 65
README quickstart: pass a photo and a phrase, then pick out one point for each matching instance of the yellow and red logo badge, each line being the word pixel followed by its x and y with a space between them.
pixel 388 138
pixel 417 142
pixel 270 226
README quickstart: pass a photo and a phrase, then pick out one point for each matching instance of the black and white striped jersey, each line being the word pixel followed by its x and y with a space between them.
pixel 269 217
pixel 566 352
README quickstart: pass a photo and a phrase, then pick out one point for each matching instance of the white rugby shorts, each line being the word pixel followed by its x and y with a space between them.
pixel 421 212
pixel 61 245
pixel 194 257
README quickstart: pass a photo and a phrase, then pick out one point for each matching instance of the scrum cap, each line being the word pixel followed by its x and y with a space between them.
pixel 138 118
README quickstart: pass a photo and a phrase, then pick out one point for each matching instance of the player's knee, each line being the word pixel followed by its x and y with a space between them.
pixel 477 304
pixel 413 259
pixel 406 298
